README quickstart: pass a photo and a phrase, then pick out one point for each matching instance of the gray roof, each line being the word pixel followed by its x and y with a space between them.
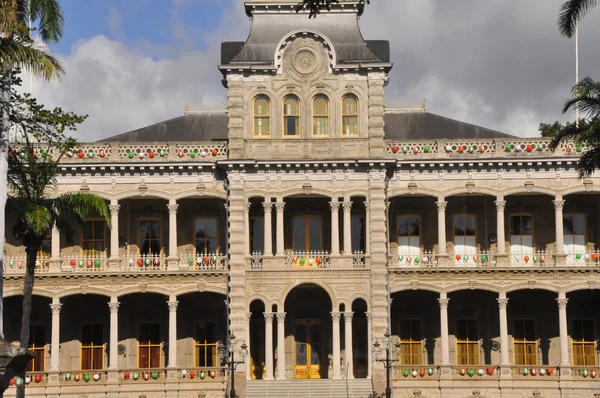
pixel 268 30
pixel 425 125
pixel 400 126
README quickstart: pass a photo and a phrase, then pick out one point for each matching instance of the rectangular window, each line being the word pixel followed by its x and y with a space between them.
pixel 94 242
pixel 467 342
pixel 37 344
pixel 411 342
pixel 574 236
pixel 525 342
pixel 358 234
pixel 149 346
pixel 150 236
pixel 205 235
pixel 257 234
pixel 307 234
pixel 584 343
pixel 521 238
pixel 92 347
pixel 465 238
pixel 409 235
pixel 206 345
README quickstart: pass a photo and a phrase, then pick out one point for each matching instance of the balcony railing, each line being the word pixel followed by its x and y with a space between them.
pixel 145 262
pixel 536 257
pixel 17 264
pixel 480 258
pixel 85 263
pixel 308 259
pixel 202 261
pixel 420 259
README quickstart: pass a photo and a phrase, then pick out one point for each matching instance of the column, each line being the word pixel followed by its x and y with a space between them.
pixel 55 242
pixel 501 236
pixel 369 344
pixel 441 207
pixel 559 204
pixel 445 346
pixel 562 325
pixel 172 303
pixel 279 206
pixel 502 303
pixel 347 207
pixel 269 345
pixel 335 226
pixel 248 363
pixel 114 231
pixel 113 343
pixel 348 344
pixel 335 319
pixel 247 228
pixel 55 341
pixel 367 228
pixel 268 207
pixel 281 346
pixel 172 206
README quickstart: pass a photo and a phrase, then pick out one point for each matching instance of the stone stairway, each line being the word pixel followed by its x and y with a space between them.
pixel 324 388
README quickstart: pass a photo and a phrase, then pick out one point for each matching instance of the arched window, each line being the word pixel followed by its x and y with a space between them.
pixel 349 115
pixel 291 116
pixel 320 115
pixel 262 116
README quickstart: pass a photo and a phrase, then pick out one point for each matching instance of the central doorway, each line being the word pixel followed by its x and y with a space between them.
pixel 308 350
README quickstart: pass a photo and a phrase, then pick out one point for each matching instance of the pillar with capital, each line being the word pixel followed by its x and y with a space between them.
pixel 173 259
pixel 113 260
pixel 56 306
pixel 269 345
pixel 335 226
pixel 502 305
pixel 113 352
pixel 369 344
pixel 559 252
pixel 441 208
pixel 55 261
pixel 173 304
pixel 347 208
pixel 247 228
pixel 445 345
pixel 280 346
pixel 280 233
pixel 501 255
pixel 335 319
pixel 268 240
pixel 562 301
pixel 367 228
pixel 349 357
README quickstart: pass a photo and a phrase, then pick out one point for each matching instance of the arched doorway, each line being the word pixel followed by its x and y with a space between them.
pixel 308 309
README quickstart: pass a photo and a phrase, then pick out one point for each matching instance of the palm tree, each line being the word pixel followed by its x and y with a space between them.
pixel 586 94
pixel 37 209
pixel 17 49
pixel 571 13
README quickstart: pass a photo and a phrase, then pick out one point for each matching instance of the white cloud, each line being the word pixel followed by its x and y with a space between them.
pixel 499 64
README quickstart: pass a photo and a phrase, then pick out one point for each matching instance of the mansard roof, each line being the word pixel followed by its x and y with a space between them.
pixel 399 126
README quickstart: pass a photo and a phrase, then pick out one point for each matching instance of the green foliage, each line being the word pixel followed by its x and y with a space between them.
pixel 585 95
pixel 550 130
pixel 316 6
pixel 571 13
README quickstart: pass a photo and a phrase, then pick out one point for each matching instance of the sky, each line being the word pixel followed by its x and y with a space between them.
pixel 501 64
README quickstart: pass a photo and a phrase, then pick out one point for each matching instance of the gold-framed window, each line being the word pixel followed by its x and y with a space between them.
pixel 149 346
pixel 291 116
pixel 409 235
pixel 308 233
pixel 94 237
pixel 37 344
pixel 150 236
pixel 525 342
pixel 411 342
pixel 583 342
pixel 92 347
pixel 320 115
pixel 262 116
pixel 205 345
pixel 521 233
pixel 350 115
pixel 467 342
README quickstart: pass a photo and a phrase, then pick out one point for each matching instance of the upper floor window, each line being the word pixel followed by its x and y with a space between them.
pixel 308 233
pixel 205 344
pixel 257 234
pixel 205 235
pixel 574 233
pixel 525 342
pixel 584 343
pixel 467 342
pixel 262 116
pixel 94 237
pixel 409 235
pixel 411 342
pixel 92 347
pixel 150 236
pixel 357 227
pixel 37 344
pixel 465 238
pixel 320 115
pixel 349 115
pixel 149 346
pixel 521 234
pixel 291 116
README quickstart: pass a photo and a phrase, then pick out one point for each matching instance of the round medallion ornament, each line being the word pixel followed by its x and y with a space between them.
pixel 305 61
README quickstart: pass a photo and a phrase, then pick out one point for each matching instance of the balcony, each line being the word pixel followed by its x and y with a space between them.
pixel 309 260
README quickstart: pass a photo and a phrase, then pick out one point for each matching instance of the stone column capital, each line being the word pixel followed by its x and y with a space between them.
pixel 172 209
pixel 347 206
pixel 55 307
pixel 114 209
pixel 441 205
pixel 268 207
pixel 348 315
pixel 248 316
pixel 247 207
pixel 500 205
pixel 280 317
pixel 336 316
pixel 269 317
pixel 562 303
pixel 558 204
pixel 279 206
pixel 367 206
pixel 369 316
pixel 335 206
pixel 502 303
pixel 172 305
pixel 443 302
pixel 114 307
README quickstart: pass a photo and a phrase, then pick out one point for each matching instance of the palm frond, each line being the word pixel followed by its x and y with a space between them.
pixel 571 13
pixel 79 206
pixel 38 219
pixel 51 19
pixel 27 56
pixel 586 95
pixel 589 162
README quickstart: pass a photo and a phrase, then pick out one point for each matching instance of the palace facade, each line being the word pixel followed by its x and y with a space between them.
pixel 307 220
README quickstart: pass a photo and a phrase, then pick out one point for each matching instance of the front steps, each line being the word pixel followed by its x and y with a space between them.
pixel 314 388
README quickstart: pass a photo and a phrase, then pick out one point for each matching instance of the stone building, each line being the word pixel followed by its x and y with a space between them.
pixel 307 219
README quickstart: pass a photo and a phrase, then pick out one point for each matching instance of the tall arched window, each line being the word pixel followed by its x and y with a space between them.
pixel 262 116
pixel 320 111
pixel 291 116
pixel 349 115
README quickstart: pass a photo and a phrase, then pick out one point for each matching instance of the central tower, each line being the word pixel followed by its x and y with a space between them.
pixel 303 88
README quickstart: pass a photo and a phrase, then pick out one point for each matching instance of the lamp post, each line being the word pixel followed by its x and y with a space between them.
pixel 227 355
pixel 388 361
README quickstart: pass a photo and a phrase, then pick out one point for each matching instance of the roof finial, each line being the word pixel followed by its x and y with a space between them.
pixel 424 104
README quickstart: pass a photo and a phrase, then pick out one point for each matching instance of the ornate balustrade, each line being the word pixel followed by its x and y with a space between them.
pixel 202 261
pixel 480 258
pixel 422 259
pixel 90 263
pixel 483 148
pixel 308 259
pixel 535 258
pixel 144 262
pixel 17 264
pixel 529 371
